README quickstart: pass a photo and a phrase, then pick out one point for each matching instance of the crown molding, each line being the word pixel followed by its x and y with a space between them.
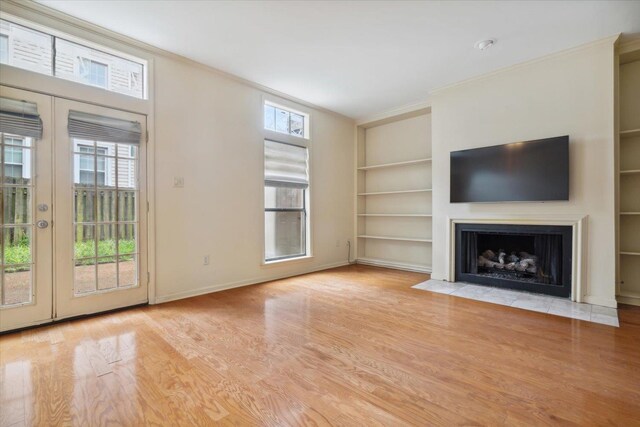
pixel 399 113
pixel 43 15
pixel 612 40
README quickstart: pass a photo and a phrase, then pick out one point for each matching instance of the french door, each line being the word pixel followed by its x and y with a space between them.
pixel 99 217
pixel 26 239
pixel 73 227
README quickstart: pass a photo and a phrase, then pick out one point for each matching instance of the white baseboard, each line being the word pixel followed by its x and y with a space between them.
pixel 606 302
pixel 623 299
pixel 224 286
pixel 395 265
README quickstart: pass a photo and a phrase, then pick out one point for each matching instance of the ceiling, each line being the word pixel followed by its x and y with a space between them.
pixel 358 58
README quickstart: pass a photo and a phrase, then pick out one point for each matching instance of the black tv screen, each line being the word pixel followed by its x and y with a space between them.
pixel 517 172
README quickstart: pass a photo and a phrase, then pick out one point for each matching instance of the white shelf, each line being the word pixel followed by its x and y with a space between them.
pixel 630 253
pixel 394 264
pixel 378 193
pixel 629 213
pixel 402 239
pixel 629 172
pixel 630 133
pixel 391 165
pixel 399 215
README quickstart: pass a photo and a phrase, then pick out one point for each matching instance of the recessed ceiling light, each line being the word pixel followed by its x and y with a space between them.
pixel 485 44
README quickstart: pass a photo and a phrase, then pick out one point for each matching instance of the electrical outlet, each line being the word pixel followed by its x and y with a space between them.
pixel 205 260
pixel 178 182
pixel 338 243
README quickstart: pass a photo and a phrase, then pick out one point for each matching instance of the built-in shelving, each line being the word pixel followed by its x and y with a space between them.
pixel 391 165
pixel 400 239
pixel 393 174
pixel 628 221
pixel 630 133
pixel 398 215
pixel 380 193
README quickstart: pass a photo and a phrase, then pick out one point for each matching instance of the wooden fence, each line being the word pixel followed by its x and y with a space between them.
pixel 107 206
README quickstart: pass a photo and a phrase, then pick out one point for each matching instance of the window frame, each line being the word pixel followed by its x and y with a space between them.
pixel 94 156
pixel 303 210
pixel 5 39
pixel 92 62
pixel 59 35
pixel 299 141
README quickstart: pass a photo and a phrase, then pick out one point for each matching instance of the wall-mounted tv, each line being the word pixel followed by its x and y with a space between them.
pixel 517 172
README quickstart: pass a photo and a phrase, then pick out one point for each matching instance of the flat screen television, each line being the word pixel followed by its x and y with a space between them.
pixel 517 172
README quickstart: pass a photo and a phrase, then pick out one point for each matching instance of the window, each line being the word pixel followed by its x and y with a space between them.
pixel 93 73
pixel 92 169
pixel 13 157
pixel 284 121
pixel 33 50
pixel 4 49
pixel 285 201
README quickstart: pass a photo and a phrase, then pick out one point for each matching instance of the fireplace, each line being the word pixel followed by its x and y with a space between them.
pixel 534 258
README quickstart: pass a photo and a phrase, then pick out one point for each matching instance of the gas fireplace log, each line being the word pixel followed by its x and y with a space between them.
pixel 501 256
pixel 528 256
pixel 490 255
pixel 484 262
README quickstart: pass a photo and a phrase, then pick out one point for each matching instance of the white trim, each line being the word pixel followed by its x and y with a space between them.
pixel 607 40
pixel 395 265
pixel 596 300
pixel 283 261
pixel 231 285
pixel 394 112
pixel 579 287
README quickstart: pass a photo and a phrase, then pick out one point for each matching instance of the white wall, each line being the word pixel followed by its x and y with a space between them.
pixel 569 93
pixel 209 131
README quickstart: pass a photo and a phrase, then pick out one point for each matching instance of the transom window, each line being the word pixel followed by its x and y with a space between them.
pixel 281 120
pixel 49 54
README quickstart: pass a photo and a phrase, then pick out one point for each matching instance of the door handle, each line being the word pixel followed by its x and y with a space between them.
pixel 42 223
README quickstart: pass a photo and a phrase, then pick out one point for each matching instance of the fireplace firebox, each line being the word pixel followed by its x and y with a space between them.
pixel 534 258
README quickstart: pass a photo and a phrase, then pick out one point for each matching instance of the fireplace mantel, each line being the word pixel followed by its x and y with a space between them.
pixel 578 223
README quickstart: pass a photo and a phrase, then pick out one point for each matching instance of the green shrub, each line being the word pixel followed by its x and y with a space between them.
pixel 20 253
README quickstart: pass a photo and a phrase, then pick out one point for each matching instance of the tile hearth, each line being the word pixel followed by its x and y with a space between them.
pixel 524 300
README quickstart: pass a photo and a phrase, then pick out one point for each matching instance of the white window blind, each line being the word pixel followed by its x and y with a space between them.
pixel 20 118
pixel 101 128
pixel 285 165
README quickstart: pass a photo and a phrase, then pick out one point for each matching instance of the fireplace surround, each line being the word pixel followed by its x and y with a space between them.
pixel 526 257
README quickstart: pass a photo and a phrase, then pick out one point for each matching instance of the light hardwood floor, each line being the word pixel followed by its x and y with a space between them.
pixel 350 346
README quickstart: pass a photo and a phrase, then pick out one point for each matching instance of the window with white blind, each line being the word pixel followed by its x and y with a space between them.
pixel 286 192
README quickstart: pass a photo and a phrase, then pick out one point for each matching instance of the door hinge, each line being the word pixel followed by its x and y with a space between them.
pixel 148 277
pixel 146 135
pixel 147 206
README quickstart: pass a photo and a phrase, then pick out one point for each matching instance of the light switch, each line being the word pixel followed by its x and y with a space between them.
pixel 178 182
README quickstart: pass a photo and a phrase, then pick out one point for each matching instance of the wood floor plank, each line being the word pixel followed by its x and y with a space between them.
pixel 350 346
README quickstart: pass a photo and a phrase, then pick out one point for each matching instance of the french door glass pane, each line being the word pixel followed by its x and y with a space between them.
pixel 106 206
pixel 16 220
